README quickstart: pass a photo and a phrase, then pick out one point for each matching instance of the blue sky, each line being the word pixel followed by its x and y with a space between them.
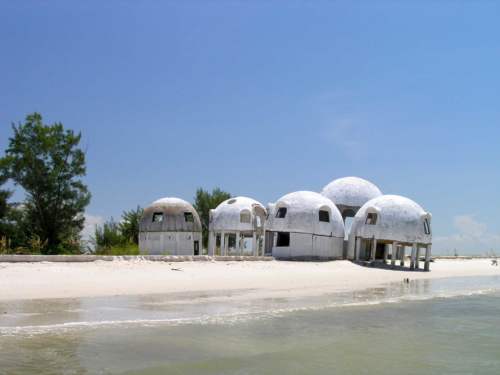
pixel 264 98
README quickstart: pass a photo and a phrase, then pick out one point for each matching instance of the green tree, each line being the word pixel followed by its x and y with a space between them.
pixel 4 206
pixel 205 201
pixel 129 226
pixel 46 162
pixel 4 210
pixel 112 238
pixel 107 235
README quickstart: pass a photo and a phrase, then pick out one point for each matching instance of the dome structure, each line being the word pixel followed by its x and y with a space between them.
pixel 350 193
pixel 306 224
pixel 170 226
pixel 237 227
pixel 398 219
pixel 232 214
pixel 389 220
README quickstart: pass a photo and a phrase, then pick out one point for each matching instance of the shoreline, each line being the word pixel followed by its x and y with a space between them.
pixel 260 279
pixel 69 258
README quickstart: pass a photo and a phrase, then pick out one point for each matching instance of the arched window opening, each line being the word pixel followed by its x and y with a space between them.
pixel 371 218
pixel 281 213
pixel 188 217
pixel 258 221
pixel 157 217
pixel 324 216
pixel 245 217
pixel 427 227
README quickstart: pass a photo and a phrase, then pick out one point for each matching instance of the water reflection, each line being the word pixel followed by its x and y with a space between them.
pixel 223 332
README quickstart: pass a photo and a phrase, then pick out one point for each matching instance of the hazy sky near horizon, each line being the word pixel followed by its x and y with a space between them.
pixel 265 98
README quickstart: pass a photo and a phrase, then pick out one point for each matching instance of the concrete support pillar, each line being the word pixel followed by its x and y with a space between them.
pixel 255 245
pixel 357 248
pixel 263 236
pixel 386 252
pixel 222 243
pixel 211 243
pixel 427 257
pixel 402 254
pixel 417 258
pixel 394 250
pixel 374 248
pixel 413 255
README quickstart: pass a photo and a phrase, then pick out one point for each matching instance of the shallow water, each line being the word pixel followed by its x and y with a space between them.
pixel 429 326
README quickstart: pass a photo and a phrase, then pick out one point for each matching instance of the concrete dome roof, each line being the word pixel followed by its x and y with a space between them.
pixel 303 214
pixel 178 216
pixel 171 201
pixel 351 191
pixel 226 216
pixel 398 219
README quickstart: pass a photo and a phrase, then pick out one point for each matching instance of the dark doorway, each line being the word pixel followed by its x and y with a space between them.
pixel 379 254
pixel 283 239
pixel 269 243
pixel 196 247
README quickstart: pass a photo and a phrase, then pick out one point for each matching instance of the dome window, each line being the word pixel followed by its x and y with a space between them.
pixel 245 217
pixel 427 227
pixel 231 201
pixel 371 218
pixel 157 217
pixel 281 213
pixel 324 216
pixel 188 217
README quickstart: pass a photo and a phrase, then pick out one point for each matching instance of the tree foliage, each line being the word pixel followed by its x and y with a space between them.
pixel 112 238
pixel 47 163
pixel 204 202
pixel 129 226
pixel 4 205
pixel 5 227
pixel 107 235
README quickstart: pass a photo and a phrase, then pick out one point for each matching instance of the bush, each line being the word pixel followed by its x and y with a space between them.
pixel 125 249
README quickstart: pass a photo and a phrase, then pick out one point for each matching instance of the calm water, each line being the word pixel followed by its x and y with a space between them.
pixel 449 326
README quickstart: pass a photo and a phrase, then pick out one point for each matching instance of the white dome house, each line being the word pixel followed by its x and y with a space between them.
pixel 305 225
pixel 237 227
pixel 390 223
pixel 350 193
pixel 170 226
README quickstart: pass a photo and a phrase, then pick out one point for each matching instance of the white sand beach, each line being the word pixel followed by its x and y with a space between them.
pixel 21 281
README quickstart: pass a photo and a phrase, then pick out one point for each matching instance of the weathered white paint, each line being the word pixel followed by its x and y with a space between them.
pixel 351 191
pixel 174 235
pixel 309 237
pixel 226 219
pixel 398 219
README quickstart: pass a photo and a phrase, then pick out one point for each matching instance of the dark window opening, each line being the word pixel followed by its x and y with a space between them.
pixel 283 239
pixel 188 217
pixel 196 248
pixel 427 227
pixel 231 240
pixel 281 213
pixel 371 218
pixel 324 216
pixel 157 217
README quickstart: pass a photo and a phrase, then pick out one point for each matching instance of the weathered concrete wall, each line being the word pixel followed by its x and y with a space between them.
pixel 168 243
pixel 154 258
pixel 304 245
